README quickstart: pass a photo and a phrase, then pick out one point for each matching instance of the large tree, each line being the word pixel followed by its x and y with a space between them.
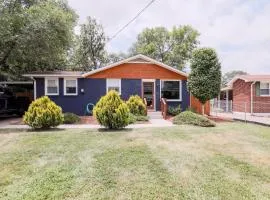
pixel 205 77
pixel 171 47
pixel 227 77
pixel 34 35
pixel 91 53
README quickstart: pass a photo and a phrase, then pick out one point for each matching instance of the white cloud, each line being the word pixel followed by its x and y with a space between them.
pixel 238 29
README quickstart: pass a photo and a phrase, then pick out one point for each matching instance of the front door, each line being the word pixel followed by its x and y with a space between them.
pixel 148 94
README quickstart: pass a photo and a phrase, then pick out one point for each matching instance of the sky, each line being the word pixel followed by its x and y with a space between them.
pixel 239 30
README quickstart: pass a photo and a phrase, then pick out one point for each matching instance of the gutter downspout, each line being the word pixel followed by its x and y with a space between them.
pixel 251 97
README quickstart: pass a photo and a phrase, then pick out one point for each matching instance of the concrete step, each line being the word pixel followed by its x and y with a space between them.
pixel 154 115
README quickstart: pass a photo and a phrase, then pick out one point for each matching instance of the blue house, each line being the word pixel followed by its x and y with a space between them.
pixel 137 75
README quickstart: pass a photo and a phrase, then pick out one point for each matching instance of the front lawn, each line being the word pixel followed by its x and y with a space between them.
pixel 230 161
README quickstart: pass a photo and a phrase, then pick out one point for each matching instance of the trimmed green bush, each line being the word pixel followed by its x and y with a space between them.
pixel 191 118
pixel 132 118
pixel 71 118
pixel 140 118
pixel 111 111
pixel 136 105
pixel 174 110
pixel 43 114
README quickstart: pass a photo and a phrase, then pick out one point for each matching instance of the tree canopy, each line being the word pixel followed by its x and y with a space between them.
pixel 227 77
pixel 35 35
pixel 91 53
pixel 205 77
pixel 171 47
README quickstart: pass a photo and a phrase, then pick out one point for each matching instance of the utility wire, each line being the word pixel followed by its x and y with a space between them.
pixel 132 20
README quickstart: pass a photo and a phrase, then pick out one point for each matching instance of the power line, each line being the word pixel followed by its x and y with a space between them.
pixel 132 20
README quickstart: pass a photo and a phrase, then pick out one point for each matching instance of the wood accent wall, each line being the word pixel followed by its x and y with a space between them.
pixel 138 71
pixel 196 104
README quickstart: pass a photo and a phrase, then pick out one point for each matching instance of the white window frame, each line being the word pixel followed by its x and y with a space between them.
pixel 120 86
pixel 180 89
pixel 46 84
pixel 64 85
pixel 265 95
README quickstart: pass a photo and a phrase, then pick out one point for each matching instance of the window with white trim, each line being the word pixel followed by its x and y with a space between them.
pixel 51 86
pixel 171 90
pixel 114 84
pixel 264 89
pixel 70 86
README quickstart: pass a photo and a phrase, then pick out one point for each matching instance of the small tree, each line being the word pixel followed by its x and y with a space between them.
pixel 111 111
pixel 136 105
pixel 43 113
pixel 205 78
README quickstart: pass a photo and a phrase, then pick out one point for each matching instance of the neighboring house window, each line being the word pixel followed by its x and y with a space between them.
pixel 114 84
pixel 265 89
pixel 51 86
pixel 70 86
pixel 171 90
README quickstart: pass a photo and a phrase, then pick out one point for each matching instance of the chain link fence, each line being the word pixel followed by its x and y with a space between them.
pixel 256 112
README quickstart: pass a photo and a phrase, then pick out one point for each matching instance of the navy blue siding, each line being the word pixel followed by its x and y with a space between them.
pixel 93 90
pixel 131 87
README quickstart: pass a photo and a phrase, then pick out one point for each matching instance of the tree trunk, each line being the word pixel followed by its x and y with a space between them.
pixel 202 109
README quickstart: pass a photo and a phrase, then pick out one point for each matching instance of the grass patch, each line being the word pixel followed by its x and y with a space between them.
pixel 230 161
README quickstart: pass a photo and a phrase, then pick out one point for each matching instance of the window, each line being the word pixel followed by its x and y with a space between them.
pixel 171 90
pixel 114 84
pixel 51 86
pixel 265 89
pixel 70 86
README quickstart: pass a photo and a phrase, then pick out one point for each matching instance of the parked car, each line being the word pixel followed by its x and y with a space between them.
pixel 10 104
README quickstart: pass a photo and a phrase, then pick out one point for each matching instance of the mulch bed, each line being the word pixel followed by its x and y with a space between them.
pixel 88 120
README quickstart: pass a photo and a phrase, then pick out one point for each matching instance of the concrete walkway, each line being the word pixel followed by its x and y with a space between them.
pixel 263 120
pixel 153 123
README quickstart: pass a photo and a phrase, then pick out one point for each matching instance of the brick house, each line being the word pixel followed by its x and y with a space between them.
pixel 250 93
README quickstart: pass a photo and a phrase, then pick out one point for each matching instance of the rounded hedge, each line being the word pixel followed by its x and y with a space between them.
pixel 43 114
pixel 136 105
pixel 111 111
pixel 71 118
pixel 191 118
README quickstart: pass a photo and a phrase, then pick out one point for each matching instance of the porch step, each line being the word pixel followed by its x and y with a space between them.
pixel 154 115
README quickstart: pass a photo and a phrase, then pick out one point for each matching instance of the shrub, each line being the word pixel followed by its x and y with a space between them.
pixel 111 111
pixel 142 118
pixel 43 114
pixel 139 118
pixel 189 117
pixel 174 110
pixel 71 118
pixel 136 105
pixel 132 119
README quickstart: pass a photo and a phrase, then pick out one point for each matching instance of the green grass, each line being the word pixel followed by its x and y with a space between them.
pixel 230 161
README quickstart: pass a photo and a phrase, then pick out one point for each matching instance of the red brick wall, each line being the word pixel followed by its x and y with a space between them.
pixel 261 104
pixel 241 94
